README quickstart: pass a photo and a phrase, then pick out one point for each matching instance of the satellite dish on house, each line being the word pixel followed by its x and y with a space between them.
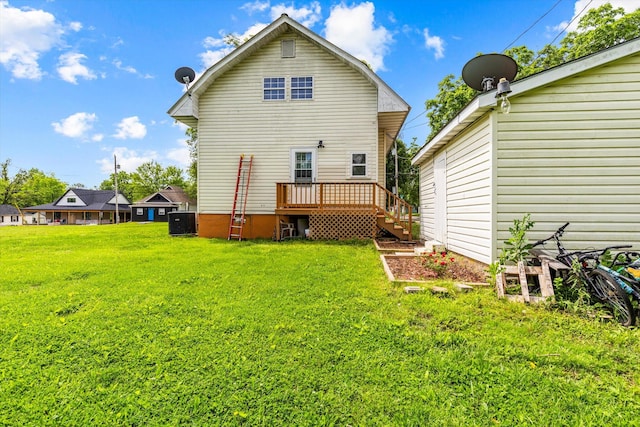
pixel 185 75
pixel 484 71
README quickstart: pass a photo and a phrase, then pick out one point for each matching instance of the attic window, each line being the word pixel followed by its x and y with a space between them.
pixel 288 48
pixel 301 87
pixel 71 199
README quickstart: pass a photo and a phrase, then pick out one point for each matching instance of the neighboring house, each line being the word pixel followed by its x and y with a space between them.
pixel 318 123
pixel 10 215
pixel 569 151
pixel 157 206
pixel 83 206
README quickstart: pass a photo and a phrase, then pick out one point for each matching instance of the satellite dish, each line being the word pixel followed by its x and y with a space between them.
pixel 483 71
pixel 185 75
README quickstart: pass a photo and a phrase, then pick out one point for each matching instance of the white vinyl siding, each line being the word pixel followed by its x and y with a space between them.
pixel 234 120
pixel 570 152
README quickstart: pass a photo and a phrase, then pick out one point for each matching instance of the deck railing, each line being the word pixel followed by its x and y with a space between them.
pixel 343 196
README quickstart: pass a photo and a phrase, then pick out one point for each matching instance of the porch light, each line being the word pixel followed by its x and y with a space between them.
pixel 503 90
pixel 481 72
pixel 320 144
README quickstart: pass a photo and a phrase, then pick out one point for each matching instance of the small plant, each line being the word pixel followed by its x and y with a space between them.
pixel 493 270
pixel 439 263
pixel 517 248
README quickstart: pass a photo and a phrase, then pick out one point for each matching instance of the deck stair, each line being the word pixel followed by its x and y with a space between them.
pixel 237 220
pixel 390 224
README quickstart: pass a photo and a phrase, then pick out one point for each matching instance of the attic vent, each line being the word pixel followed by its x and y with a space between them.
pixel 288 48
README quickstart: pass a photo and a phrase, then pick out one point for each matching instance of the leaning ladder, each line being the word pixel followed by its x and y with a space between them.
pixel 236 223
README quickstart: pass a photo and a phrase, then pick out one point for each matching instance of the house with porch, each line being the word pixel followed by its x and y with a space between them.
pixel 317 124
pixel 157 206
pixel 569 151
pixel 83 206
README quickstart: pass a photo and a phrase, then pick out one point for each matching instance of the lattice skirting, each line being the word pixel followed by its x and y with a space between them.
pixel 342 225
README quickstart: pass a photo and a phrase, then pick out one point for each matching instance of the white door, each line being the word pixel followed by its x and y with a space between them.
pixel 303 173
pixel 440 198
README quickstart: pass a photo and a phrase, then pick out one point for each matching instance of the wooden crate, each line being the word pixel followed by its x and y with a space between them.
pixel 522 272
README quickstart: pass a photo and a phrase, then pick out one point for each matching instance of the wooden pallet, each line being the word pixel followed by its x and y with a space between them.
pixel 522 271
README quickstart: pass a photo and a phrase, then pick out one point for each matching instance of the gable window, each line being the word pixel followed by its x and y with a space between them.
pixel 359 164
pixel 273 88
pixel 71 199
pixel 303 170
pixel 301 87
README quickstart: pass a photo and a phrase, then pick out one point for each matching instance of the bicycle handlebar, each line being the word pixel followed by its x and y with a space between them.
pixel 559 232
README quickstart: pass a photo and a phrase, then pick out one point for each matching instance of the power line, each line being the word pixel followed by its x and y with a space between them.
pixel 533 25
pixel 571 22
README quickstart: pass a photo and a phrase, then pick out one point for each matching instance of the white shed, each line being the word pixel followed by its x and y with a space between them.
pixel 569 151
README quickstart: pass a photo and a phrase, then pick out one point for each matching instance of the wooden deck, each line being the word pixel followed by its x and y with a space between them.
pixel 365 198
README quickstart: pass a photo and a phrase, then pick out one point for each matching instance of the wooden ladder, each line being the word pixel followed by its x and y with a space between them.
pixel 236 222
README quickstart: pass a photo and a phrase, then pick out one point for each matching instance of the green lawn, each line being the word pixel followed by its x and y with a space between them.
pixel 125 325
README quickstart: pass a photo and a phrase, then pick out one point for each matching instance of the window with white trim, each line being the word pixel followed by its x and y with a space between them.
pixel 161 211
pixel 273 89
pixel 358 164
pixel 139 211
pixel 71 199
pixel 301 88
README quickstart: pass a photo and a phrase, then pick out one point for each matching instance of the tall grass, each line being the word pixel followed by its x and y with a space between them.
pixel 125 325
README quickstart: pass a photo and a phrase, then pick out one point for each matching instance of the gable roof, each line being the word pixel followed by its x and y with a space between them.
pixel 486 101
pixel 9 210
pixel 171 195
pixel 186 108
pixel 94 200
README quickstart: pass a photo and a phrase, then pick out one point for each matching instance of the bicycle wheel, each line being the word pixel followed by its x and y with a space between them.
pixel 613 296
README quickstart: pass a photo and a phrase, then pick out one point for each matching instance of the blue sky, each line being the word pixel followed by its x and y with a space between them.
pixel 82 80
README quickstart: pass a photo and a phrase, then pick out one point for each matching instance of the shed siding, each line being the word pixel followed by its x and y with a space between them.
pixel 236 120
pixel 469 203
pixel 469 192
pixel 570 152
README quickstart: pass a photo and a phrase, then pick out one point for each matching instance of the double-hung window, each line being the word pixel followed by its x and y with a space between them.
pixel 301 88
pixel 303 167
pixel 273 88
pixel 358 164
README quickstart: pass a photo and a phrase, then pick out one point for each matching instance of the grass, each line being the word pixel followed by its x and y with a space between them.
pixel 125 325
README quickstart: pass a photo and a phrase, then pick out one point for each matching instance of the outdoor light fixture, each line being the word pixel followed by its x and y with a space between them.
pixel 481 73
pixel 320 144
pixel 503 90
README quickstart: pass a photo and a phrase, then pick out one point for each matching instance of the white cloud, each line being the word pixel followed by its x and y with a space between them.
pixel 75 26
pixel 353 29
pixel 306 15
pixel 130 127
pixel 579 8
pixel 25 34
pixel 76 125
pixel 129 160
pixel 70 68
pixel 221 49
pixel 97 137
pixel 180 155
pixel 434 42
pixel 255 6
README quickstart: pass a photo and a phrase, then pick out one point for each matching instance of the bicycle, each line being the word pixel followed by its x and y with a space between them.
pixel 625 269
pixel 588 270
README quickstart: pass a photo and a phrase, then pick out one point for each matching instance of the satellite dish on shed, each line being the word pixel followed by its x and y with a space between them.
pixel 185 75
pixel 482 72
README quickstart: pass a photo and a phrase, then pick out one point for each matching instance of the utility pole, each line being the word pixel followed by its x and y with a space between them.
pixel 116 166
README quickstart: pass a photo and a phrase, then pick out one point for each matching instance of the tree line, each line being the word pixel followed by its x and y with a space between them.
pixel 34 187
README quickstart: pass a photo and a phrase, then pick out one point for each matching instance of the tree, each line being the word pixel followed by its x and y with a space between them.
pixel 151 177
pixel 9 186
pixel 408 176
pixel 598 29
pixel 125 185
pixel 28 188
pixel 191 186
